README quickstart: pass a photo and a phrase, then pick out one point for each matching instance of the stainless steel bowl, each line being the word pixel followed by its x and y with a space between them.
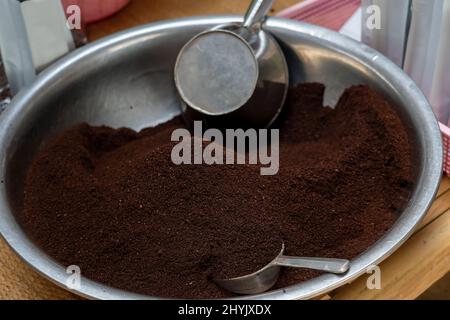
pixel 99 83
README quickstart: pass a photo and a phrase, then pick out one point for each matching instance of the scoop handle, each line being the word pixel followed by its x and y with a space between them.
pixel 337 266
pixel 257 11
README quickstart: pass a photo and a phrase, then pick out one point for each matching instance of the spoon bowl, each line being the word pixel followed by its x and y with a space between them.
pixel 265 278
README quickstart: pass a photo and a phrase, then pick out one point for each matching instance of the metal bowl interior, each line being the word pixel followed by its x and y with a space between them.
pixel 99 83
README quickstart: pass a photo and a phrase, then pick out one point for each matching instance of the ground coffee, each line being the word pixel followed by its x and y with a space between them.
pixel 112 202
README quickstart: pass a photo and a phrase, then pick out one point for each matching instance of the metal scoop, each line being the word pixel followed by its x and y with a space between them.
pixel 265 278
pixel 233 75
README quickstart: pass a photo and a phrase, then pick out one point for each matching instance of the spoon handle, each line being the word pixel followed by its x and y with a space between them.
pixel 337 266
pixel 256 13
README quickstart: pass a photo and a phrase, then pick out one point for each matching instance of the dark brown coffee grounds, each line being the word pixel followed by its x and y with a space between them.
pixel 112 202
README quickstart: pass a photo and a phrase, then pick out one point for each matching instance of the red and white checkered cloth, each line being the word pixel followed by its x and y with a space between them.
pixel 446 138
pixel 333 14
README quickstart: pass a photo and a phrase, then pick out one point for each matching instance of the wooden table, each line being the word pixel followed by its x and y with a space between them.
pixel 412 269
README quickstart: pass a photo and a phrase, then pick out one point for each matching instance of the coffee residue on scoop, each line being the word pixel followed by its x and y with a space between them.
pixel 112 202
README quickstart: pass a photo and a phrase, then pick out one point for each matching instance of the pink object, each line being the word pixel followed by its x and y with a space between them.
pixel 333 14
pixel 95 10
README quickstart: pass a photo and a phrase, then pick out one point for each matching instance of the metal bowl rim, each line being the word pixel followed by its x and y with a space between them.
pixel 429 181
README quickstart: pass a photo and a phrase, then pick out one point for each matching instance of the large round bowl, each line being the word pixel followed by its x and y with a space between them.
pixel 100 82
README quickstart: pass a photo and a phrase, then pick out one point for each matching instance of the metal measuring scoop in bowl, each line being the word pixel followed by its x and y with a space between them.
pixel 265 278
pixel 233 75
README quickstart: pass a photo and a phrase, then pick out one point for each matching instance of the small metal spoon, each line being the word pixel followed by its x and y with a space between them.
pixel 265 278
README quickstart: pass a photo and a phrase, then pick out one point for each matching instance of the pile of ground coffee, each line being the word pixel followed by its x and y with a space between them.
pixel 113 203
